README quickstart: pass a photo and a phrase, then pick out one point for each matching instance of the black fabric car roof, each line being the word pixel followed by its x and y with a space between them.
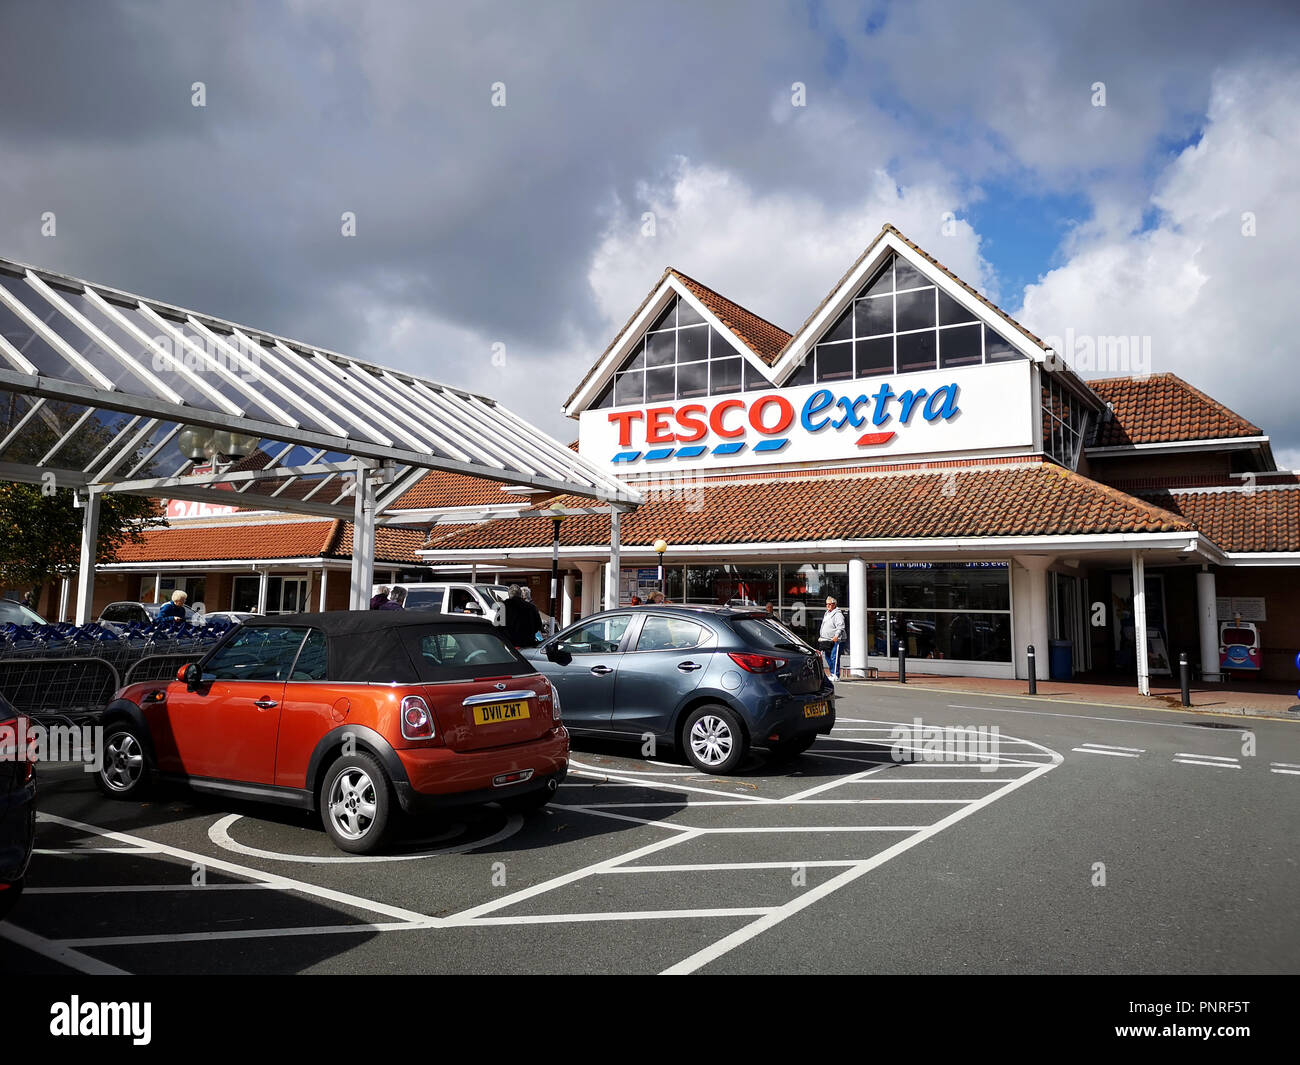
pixel 362 622
pixel 377 654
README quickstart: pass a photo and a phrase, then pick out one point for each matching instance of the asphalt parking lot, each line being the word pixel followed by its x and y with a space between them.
pixel 966 858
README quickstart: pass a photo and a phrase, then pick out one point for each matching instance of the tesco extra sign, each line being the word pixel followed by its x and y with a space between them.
pixel 969 409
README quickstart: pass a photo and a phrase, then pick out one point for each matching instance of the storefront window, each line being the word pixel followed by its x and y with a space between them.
pixel 949 585
pixel 962 636
pixel 718 585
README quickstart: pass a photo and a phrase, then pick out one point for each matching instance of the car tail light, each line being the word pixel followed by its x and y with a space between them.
pixel 417 721
pixel 555 702
pixel 752 663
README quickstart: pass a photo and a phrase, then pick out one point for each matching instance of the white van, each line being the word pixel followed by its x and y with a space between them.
pixel 480 600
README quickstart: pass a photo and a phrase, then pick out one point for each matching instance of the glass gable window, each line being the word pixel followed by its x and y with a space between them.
pixel 1065 422
pixel 901 323
pixel 680 357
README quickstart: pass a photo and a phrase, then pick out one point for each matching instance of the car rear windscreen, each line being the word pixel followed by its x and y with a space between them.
pixel 768 635
pixel 441 653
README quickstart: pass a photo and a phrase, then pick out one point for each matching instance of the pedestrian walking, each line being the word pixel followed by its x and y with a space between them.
pixel 396 599
pixel 379 598
pixel 832 635
pixel 535 627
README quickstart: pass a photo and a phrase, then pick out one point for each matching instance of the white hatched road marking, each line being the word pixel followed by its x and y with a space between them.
pixel 1029 763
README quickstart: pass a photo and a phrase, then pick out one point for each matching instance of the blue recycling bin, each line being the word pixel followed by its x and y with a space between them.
pixel 1061 664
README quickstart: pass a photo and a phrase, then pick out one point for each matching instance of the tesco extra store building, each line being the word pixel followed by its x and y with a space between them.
pixel 917 454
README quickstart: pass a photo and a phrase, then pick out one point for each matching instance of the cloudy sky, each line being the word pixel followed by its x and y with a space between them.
pixel 1104 167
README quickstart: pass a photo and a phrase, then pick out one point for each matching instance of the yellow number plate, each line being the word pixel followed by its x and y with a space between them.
pixel 495 713
pixel 816 710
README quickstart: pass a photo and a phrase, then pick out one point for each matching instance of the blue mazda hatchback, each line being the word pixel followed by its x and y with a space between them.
pixel 711 681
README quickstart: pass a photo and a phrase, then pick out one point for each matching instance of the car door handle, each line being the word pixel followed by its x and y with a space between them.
pixel 264 703
pixel 689 667
pixel 601 671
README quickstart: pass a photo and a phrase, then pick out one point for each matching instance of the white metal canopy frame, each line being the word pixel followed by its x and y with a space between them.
pixel 103 391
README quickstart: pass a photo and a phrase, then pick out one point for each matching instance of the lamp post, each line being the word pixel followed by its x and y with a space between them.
pixel 661 548
pixel 556 514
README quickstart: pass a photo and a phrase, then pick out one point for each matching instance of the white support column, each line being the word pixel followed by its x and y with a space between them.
pixel 473 573
pixel 86 574
pixel 65 590
pixel 263 579
pixel 590 587
pixel 363 540
pixel 857 617
pixel 1140 624
pixel 1207 617
pixel 566 599
pixel 324 583
pixel 1029 620
pixel 612 571
pixel 157 586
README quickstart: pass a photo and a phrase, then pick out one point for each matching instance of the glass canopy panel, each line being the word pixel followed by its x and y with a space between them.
pixel 51 423
pixel 77 339
pixel 48 362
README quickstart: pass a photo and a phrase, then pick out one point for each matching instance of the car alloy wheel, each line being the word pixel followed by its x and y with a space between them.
pixel 711 740
pixel 353 803
pixel 123 763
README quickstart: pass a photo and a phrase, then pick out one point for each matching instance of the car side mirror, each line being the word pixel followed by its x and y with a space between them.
pixel 189 675
pixel 556 653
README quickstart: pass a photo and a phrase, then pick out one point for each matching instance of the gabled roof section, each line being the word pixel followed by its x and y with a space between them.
pixel 1163 408
pixel 888 241
pixel 764 339
pixel 755 338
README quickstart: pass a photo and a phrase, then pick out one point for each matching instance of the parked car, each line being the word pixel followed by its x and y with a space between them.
pixel 711 681
pixel 17 807
pixel 350 714
pixel 13 611
pixel 235 617
pixel 454 598
pixel 127 611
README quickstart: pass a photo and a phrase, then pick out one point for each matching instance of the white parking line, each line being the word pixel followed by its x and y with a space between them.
pixel 715 867
pixel 1287 772
pixel 207 861
pixel 743 935
pixel 1112 747
pixel 59 952
pixel 1214 765
pixel 1093 750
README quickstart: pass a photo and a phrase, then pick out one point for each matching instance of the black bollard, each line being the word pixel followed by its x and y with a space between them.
pixel 1033 672
pixel 1185 678
pixel 902 661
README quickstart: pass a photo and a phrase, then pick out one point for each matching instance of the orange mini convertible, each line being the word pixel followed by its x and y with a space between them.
pixel 347 713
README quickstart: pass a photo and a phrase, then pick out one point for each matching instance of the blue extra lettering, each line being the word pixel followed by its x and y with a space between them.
pixel 882 398
pixel 949 409
pixel 909 399
pixel 814 405
pixel 850 415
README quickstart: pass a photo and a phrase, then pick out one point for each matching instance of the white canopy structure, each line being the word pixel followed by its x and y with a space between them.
pixel 104 391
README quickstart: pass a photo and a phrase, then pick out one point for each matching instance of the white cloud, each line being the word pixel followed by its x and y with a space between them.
pixel 1218 305
pixel 776 253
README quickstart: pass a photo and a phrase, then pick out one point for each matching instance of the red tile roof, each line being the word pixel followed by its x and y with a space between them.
pixel 441 489
pixel 1163 408
pixel 1030 499
pixel 268 540
pixel 1258 519
pixel 764 339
